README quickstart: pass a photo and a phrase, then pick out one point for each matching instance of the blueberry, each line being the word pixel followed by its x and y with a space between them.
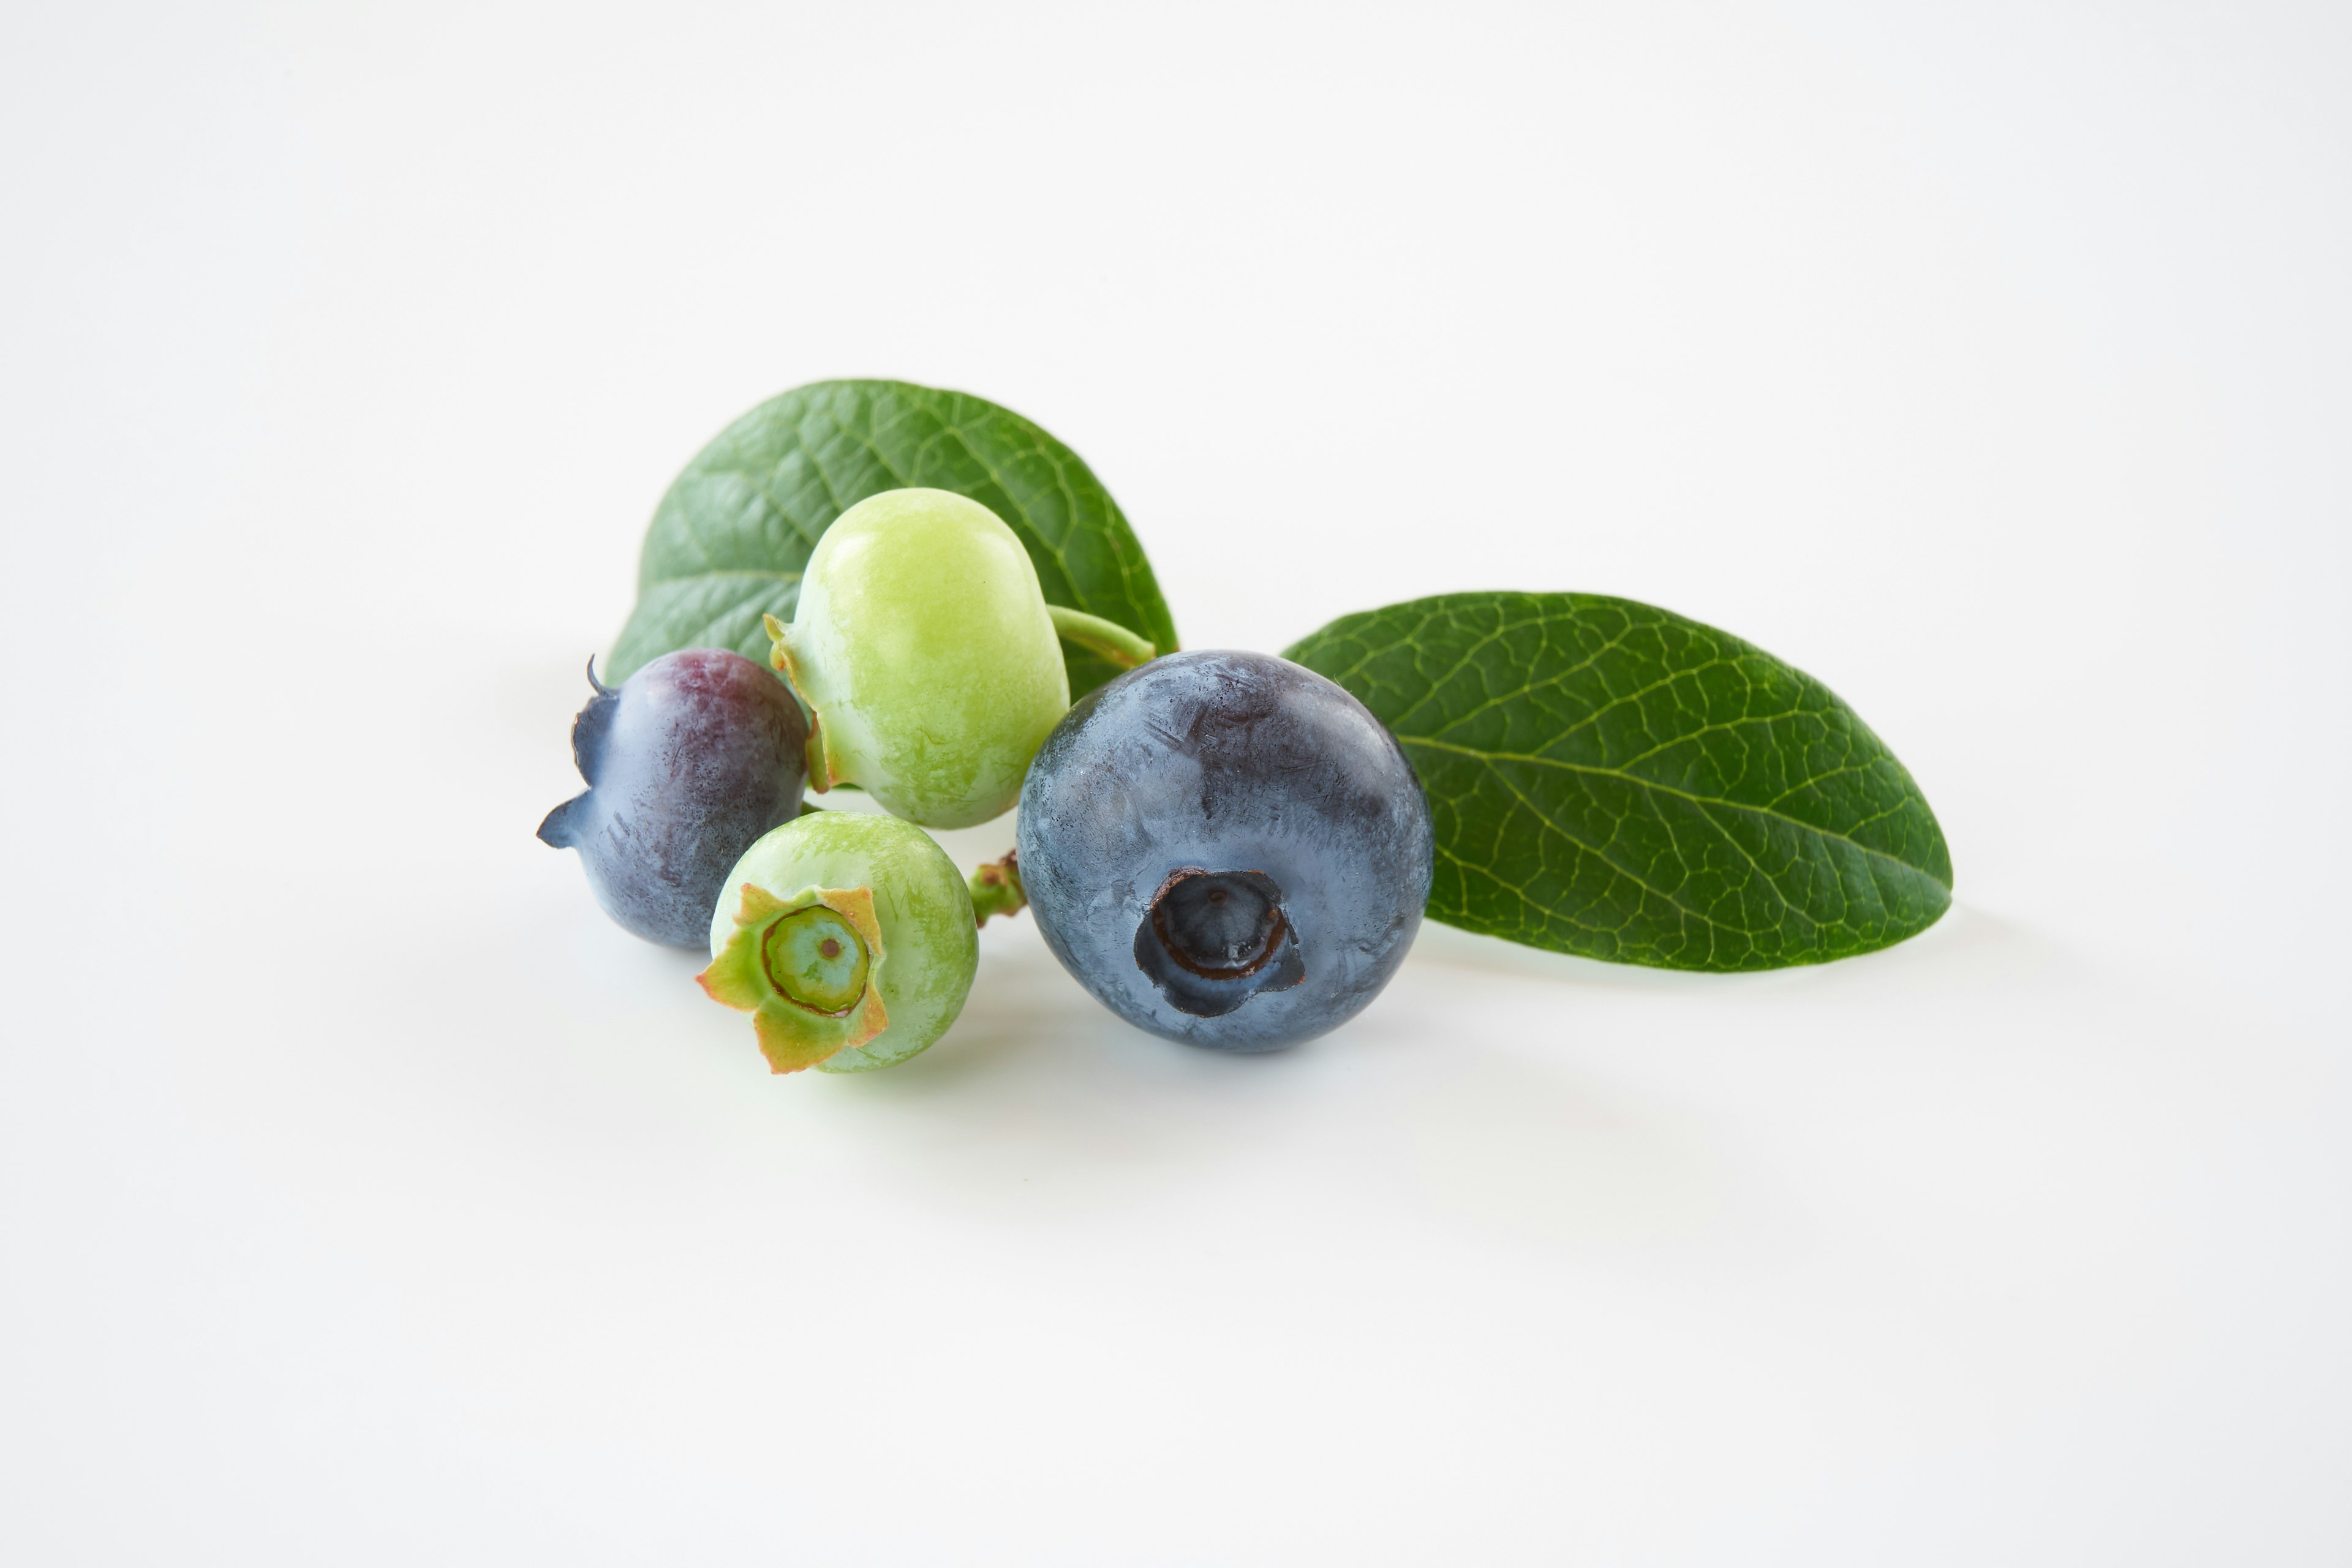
pixel 848 938
pixel 924 648
pixel 1226 850
pixel 687 761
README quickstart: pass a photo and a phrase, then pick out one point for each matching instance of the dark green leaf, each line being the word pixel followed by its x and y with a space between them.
pixel 729 541
pixel 1611 780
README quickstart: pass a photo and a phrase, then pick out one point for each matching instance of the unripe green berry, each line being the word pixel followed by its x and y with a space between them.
pixel 924 650
pixel 848 938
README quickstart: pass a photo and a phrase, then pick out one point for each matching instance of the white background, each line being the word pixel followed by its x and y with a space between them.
pixel 366 1197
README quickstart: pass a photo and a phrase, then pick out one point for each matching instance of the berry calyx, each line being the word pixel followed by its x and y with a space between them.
pixel 1211 939
pixel 807 1005
pixel 815 958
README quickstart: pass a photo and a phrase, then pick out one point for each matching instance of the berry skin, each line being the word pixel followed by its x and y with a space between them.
pixel 923 647
pixel 848 938
pixel 1226 850
pixel 687 761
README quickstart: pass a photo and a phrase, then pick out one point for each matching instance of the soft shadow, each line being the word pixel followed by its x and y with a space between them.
pixel 1039 1091
pixel 1040 1101
pixel 1459 949
pixel 1968 948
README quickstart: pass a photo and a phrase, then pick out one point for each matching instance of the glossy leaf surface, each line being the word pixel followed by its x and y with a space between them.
pixel 1612 779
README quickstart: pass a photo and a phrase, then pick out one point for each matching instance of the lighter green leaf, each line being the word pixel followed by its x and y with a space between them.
pixel 730 538
pixel 1610 779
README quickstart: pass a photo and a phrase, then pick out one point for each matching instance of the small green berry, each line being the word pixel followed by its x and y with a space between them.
pixel 923 647
pixel 849 939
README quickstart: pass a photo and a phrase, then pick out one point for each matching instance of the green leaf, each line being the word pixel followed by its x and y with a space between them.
pixel 1611 780
pixel 730 538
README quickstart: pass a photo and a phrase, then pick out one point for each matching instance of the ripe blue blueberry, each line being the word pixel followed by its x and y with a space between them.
pixel 1226 850
pixel 687 761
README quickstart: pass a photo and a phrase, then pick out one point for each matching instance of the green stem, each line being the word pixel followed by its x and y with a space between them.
pixel 1094 635
pixel 996 889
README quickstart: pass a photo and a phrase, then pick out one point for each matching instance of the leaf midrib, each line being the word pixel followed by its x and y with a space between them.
pixel 1493 757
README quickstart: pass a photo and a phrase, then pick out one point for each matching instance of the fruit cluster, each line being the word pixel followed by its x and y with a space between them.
pixel 1226 849
pixel 1229 850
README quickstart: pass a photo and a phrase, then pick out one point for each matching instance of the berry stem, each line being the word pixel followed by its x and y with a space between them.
pixel 996 889
pixel 1108 638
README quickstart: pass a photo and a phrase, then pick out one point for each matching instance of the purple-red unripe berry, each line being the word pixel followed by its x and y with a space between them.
pixel 687 761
